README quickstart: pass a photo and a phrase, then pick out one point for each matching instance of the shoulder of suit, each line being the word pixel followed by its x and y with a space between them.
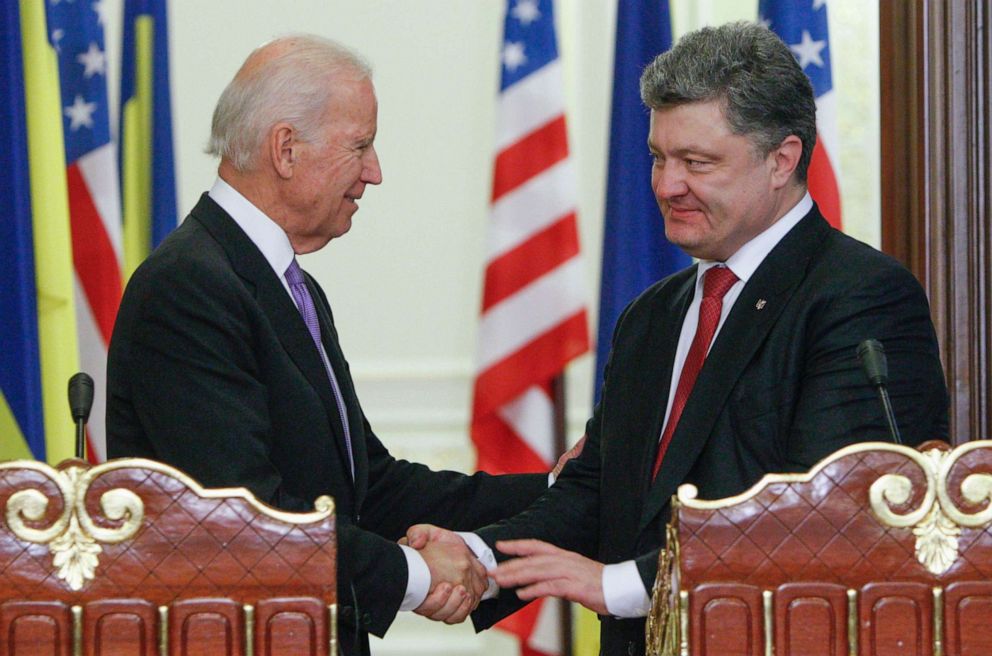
pixel 850 257
pixel 662 291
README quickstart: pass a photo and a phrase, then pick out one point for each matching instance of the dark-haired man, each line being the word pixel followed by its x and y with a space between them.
pixel 743 364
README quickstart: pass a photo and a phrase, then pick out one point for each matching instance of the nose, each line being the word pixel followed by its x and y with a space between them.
pixel 371 171
pixel 668 180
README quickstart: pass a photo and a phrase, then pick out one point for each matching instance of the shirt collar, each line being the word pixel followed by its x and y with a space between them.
pixel 749 257
pixel 265 233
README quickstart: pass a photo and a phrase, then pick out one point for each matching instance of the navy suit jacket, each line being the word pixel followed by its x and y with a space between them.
pixel 780 389
pixel 211 369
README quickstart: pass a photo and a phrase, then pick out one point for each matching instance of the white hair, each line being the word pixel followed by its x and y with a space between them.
pixel 292 82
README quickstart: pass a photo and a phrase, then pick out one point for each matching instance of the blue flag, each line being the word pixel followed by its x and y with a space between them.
pixel 147 166
pixel 22 430
pixel 635 251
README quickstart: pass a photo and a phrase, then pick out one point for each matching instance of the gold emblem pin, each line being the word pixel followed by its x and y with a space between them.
pixel 760 305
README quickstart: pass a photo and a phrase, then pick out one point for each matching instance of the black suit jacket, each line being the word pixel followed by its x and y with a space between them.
pixel 780 389
pixel 211 369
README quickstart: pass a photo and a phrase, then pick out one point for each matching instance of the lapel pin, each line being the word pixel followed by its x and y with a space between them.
pixel 760 305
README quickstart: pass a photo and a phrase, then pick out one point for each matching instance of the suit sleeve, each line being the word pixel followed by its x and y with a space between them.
pixel 194 383
pixel 197 393
pixel 836 406
pixel 403 493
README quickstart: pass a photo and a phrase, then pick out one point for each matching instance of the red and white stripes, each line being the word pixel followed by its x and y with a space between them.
pixel 95 218
pixel 824 169
pixel 533 308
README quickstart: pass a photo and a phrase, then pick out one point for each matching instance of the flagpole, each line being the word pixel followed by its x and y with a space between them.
pixel 558 401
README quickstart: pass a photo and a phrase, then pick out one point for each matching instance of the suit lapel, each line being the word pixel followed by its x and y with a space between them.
pixel 755 312
pixel 356 420
pixel 658 359
pixel 249 263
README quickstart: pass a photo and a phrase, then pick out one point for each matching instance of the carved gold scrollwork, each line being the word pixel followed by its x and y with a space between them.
pixel 73 538
pixel 663 623
pixel 937 521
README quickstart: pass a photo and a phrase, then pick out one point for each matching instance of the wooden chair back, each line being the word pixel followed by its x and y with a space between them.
pixel 134 557
pixel 879 550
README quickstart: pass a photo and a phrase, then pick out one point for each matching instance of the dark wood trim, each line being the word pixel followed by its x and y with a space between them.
pixel 936 69
pixel 901 93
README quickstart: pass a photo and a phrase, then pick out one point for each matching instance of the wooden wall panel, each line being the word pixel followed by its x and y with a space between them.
pixel 896 619
pixel 294 626
pixel 206 627
pixel 720 605
pixel 967 613
pixel 936 70
pixel 114 627
pixel 811 619
pixel 35 628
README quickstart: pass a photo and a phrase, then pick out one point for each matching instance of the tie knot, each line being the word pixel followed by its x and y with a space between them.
pixel 717 281
pixel 294 274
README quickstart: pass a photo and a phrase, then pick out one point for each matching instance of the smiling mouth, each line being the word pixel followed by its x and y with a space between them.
pixel 682 211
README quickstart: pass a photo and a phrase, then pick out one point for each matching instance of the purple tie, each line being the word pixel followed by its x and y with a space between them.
pixel 298 285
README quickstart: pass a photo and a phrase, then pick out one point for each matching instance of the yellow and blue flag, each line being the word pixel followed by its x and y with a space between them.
pixel 146 154
pixel 38 347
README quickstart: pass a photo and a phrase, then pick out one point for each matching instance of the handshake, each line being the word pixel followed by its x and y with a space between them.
pixel 459 580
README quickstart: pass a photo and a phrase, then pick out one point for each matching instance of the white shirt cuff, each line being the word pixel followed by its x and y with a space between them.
pixel 486 557
pixel 623 591
pixel 418 582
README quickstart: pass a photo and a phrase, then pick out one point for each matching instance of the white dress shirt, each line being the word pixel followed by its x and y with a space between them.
pixel 623 589
pixel 272 241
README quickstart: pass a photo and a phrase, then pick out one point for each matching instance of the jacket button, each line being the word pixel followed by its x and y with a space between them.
pixel 366 619
pixel 631 649
pixel 347 614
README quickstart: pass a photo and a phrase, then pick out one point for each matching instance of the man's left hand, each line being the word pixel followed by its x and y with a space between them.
pixel 544 570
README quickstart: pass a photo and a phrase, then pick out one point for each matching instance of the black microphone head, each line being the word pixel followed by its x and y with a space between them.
pixel 872 357
pixel 80 396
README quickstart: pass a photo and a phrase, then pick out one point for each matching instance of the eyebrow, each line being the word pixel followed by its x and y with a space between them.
pixel 691 149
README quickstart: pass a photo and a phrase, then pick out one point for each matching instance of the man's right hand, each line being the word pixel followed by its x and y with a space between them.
pixel 458 579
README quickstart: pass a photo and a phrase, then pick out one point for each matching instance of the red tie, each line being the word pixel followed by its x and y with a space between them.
pixel 716 283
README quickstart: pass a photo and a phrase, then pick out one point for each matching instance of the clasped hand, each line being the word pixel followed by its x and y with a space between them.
pixel 538 570
pixel 458 579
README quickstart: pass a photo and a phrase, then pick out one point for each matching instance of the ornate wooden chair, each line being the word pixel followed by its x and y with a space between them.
pixel 879 550
pixel 134 557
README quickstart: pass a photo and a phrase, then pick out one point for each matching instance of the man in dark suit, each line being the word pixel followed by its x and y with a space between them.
pixel 225 362
pixel 743 364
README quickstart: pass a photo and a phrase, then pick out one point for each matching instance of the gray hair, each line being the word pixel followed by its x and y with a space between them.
pixel 766 95
pixel 289 79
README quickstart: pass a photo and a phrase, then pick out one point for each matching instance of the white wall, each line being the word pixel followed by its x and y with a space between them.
pixel 405 281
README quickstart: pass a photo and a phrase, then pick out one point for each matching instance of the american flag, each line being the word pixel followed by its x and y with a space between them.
pixel 802 25
pixel 75 30
pixel 534 307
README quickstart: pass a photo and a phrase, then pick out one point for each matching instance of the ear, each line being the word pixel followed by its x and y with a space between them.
pixel 785 159
pixel 281 146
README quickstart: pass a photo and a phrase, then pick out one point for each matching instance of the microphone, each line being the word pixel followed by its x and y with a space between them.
pixel 80 403
pixel 876 368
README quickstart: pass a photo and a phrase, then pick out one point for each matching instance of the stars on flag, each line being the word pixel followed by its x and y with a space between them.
pixel 526 11
pixel 102 10
pixel 808 50
pixel 93 60
pixel 80 114
pixel 513 55
pixel 57 35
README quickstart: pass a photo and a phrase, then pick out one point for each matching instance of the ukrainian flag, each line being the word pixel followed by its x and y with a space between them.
pixel 38 349
pixel 147 168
